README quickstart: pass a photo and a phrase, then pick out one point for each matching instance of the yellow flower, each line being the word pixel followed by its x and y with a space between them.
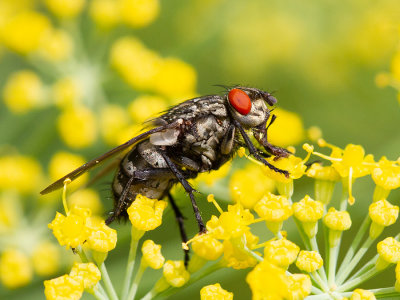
pixel 101 238
pixel 23 32
pixel 249 185
pixel 386 174
pixel 87 273
pixel 145 213
pixel 15 269
pixel 152 255
pixel 353 157
pixel 207 247
pixel 397 270
pixel 235 254
pixel 299 286
pixel 65 9
pixel 268 281
pixel 66 92
pixel 231 223
pixel 308 212
pixel 64 287
pixel 113 119
pixel 62 163
pixel 139 13
pixel 10 211
pixel 175 273
pixel 77 127
pixel 288 129
pixel 56 45
pixel 359 294
pixel 86 198
pixel 136 64
pixel 20 173
pixel 46 258
pixel 281 252
pixel 105 13
pixel 320 172
pixel 23 91
pixel 389 250
pixel 71 231
pixel 337 220
pixel 175 79
pixel 210 179
pixel 383 214
pixel 215 292
pixel 309 261
pixel 294 165
pixel 145 107
pixel 274 210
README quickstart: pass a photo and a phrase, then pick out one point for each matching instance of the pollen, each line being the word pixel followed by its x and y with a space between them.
pixel 175 273
pixel 87 273
pixel 387 174
pixel 139 13
pixel 207 247
pixel 360 294
pixel 145 213
pixel 101 238
pixel 268 281
pixel 152 255
pixel 63 287
pixel 299 286
pixel 71 231
pixel 308 210
pixel 215 292
pixel 281 252
pixel 337 220
pixel 309 261
pixel 383 213
pixel 389 250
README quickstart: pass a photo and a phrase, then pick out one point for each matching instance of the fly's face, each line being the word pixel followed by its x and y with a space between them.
pixel 248 106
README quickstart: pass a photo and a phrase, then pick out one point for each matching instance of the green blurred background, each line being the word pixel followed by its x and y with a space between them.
pixel 320 58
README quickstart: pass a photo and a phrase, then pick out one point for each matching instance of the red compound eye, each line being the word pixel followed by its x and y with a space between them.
pixel 240 101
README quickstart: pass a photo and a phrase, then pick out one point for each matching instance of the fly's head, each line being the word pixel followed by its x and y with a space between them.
pixel 249 106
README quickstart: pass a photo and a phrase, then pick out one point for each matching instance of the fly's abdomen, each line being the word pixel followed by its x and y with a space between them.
pixel 151 177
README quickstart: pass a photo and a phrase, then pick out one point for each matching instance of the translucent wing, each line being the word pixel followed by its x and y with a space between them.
pixel 96 162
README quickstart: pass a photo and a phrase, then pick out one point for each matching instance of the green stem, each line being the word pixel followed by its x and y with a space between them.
pixel 314 247
pixel 98 294
pixel 136 281
pixel 107 282
pixel 319 297
pixel 321 283
pixel 129 268
pixel 303 235
pixel 356 259
pixel 350 285
pixel 333 254
pixel 172 290
pixel 354 245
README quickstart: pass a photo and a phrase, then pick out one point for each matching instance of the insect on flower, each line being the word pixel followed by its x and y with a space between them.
pixel 198 135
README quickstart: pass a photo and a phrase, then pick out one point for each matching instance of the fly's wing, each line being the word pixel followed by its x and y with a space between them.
pixel 96 162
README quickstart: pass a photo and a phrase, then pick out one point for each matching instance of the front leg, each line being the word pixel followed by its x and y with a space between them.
pixel 253 150
pixel 260 133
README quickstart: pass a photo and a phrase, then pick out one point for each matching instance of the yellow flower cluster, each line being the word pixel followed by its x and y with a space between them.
pixel 144 69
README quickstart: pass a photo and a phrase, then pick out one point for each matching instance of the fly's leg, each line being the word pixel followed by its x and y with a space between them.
pixel 253 150
pixel 179 219
pixel 188 188
pixel 260 133
pixel 121 201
